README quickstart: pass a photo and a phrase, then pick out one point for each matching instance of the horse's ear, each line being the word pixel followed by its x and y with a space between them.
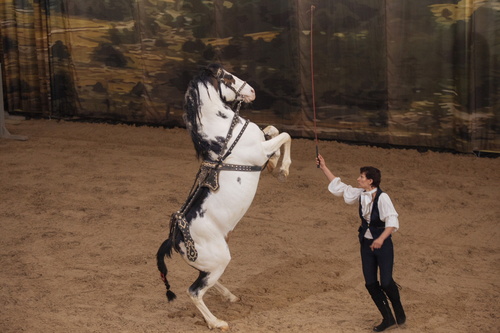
pixel 215 69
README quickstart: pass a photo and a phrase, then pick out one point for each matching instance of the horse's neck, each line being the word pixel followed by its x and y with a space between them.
pixel 214 112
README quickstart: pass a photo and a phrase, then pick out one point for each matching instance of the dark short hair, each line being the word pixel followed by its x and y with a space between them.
pixel 373 174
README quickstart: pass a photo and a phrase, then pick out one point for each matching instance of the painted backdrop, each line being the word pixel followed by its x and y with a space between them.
pixel 396 72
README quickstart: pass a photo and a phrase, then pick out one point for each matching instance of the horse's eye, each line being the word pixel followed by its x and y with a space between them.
pixel 229 79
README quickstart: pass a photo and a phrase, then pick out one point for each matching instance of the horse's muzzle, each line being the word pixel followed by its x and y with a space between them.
pixel 248 98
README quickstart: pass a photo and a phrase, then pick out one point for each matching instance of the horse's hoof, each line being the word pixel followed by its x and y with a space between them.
pixel 220 324
pixel 282 176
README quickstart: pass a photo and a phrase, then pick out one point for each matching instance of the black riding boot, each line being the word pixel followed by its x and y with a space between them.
pixel 393 293
pixel 382 304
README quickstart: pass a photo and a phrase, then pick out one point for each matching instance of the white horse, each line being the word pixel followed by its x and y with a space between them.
pixel 233 152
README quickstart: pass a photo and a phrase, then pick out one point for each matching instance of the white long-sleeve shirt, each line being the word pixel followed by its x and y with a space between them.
pixel 351 195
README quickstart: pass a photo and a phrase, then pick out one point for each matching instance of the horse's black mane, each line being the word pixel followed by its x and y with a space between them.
pixel 192 107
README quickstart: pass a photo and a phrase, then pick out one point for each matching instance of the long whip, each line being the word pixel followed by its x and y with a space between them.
pixel 312 83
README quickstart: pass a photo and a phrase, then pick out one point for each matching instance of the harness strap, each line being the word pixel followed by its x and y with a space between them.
pixel 235 141
pixel 183 226
pixel 234 121
pixel 236 167
pixel 231 167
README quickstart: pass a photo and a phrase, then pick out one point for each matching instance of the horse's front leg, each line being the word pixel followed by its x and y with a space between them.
pixel 272 132
pixel 272 146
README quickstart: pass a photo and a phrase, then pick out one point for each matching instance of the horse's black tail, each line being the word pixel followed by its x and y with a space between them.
pixel 165 249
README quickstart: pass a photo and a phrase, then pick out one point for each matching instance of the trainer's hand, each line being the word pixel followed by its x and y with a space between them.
pixel 320 161
pixel 377 244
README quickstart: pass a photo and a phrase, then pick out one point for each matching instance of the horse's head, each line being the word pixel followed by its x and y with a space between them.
pixel 230 87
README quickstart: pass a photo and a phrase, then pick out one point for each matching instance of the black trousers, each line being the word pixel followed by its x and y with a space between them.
pixel 380 259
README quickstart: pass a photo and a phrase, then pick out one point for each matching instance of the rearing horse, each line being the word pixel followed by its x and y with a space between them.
pixel 233 152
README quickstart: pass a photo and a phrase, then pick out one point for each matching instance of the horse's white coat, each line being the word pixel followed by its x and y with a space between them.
pixel 224 208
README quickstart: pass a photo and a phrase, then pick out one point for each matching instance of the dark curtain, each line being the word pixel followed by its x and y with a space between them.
pixel 395 72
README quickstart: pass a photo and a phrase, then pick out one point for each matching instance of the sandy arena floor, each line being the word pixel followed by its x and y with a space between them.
pixel 84 207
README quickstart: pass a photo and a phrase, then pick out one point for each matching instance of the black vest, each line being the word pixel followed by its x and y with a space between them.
pixel 376 226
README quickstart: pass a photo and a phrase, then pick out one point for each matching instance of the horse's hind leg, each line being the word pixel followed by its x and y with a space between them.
pixel 225 292
pixel 196 292
pixel 205 281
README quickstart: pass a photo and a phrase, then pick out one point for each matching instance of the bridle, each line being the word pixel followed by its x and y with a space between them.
pixel 219 76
